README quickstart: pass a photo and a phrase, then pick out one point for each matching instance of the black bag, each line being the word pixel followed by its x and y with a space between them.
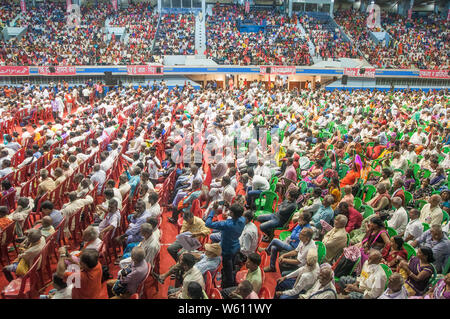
pixel 343 266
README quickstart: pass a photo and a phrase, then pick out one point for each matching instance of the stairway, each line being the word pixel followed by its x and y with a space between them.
pixel 312 48
pixel 200 35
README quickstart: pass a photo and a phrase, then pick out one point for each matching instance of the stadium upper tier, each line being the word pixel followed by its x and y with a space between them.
pixel 233 37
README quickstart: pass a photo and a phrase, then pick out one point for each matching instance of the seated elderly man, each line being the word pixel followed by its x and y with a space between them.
pixel 399 219
pixel 28 251
pixel 111 221
pixel 130 277
pixel 191 273
pixel 291 243
pixel 370 284
pixel 300 280
pixel 150 243
pixel 336 239
pixel 208 261
pixel 47 184
pixel 437 240
pixel 278 219
pixel 414 228
pixel 381 200
pixel 102 209
pixel 192 224
pixel 132 234
pixel 323 288
pixel 395 289
pixel 296 258
pixel 431 213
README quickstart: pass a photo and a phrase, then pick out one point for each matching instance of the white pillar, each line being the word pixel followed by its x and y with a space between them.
pixel 290 8
pixel 203 9
pixel 159 6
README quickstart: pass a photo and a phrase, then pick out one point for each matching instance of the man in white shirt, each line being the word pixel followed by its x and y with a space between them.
pixel 418 138
pixel 431 213
pixel 249 236
pixel 323 288
pixel 414 228
pixel 287 263
pixel 399 219
pixel 98 176
pixel 111 220
pixel 370 284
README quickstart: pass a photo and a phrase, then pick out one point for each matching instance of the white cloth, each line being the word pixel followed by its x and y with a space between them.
pixel 414 228
pixel 399 220
pixel 373 280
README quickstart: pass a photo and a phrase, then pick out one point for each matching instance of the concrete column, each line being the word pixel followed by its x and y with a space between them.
pixel 290 8
pixel 203 9
pixel 331 9
pixel 159 6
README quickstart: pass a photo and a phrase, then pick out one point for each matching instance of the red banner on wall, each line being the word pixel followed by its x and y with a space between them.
pixel 23 6
pixel 436 74
pixel 14 70
pixel 114 4
pixel 359 73
pixel 277 70
pixel 59 70
pixel 144 69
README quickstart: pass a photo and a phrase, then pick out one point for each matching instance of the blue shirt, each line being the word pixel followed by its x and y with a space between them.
pixel 325 213
pixel 294 239
pixel 208 264
pixel 231 230
pixel 133 181
pixel 133 232
pixel 56 217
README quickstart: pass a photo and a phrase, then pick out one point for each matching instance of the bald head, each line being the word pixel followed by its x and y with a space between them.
pixel 138 254
pixel 325 276
pixel 397 202
pixel 396 282
pixel 374 257
pixel 435 200
pixel 340 221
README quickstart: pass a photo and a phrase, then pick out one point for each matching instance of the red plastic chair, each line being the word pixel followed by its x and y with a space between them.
pixel 264 293
pixel 215 294
pixel 140 289
pixel 208 282
pixel 24 287
pixel 9 201
pixel 240 276
pixel 7 237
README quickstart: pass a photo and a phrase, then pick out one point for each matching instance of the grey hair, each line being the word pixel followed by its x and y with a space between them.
pixel 343 218
pixel 91 232
pixel 138 254
pixel 146 228
pixel 34 235
pixel 397 200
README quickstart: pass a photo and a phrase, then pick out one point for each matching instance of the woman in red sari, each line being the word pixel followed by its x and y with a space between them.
pixel 396 253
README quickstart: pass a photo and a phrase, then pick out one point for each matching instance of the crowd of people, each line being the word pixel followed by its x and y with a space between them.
pixel 279 43
pixel 176 35
pixel 327 43
pixel 417 43
pixel 320 194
